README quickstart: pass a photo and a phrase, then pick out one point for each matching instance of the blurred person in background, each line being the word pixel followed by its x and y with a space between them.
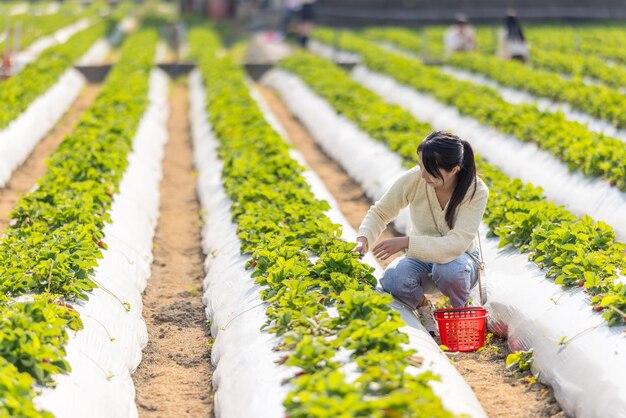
pixel 307 18
pixel 460 37
pixel 512 41
pixel 290 10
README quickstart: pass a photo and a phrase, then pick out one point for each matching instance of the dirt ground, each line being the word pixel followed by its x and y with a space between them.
pixel 502 393
pixel 25 177
pixel 174 377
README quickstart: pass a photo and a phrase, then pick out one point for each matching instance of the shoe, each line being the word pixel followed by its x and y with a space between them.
pixel 425 314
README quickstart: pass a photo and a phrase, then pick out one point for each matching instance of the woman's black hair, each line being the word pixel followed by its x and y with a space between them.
pixel 443 150
pixel 514 28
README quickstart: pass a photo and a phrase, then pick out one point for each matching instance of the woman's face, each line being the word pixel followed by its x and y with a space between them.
pixel 446 176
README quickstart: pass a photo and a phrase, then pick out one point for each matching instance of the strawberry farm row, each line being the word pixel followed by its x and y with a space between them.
pixel 518 308
pixel 20 91
pixel 35 26
pixel 517 213
pixel 305 268
pixel 599 101
pixel 542 83
pixel 55 240
pixel 603 42
pixel 590 153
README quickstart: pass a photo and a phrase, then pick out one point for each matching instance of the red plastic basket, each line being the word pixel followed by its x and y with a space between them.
pixel 462 329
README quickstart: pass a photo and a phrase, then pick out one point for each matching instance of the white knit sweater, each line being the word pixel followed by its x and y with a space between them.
pixel 425 242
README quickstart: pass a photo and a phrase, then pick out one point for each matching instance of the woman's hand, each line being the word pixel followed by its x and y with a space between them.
pixel 385 249
pixel 361 246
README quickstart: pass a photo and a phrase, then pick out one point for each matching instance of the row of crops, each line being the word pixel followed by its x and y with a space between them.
pixel 300 329
pixel 573 250
pixel 50 252
pixel 566 144
pixel 340 348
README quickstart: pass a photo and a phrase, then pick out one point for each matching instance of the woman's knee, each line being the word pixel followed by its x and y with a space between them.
pixel 453 270
pixel 402 280
pixel 454 280
pixel 394 275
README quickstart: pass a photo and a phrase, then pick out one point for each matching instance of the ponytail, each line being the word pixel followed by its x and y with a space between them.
pixel 443 150
pixel 466 178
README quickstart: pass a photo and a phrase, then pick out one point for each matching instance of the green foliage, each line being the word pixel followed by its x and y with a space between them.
pixel 572 251
pixel 580 66
pixel 17 93
pixel 599 101
pixel 305 268
pixel 52 244
pixel 16 393
pixel 33 27
pixel 601 41
pixel 32 336
pixel 566 58
pixel 54 240
pixel 520 360
pixel 590 153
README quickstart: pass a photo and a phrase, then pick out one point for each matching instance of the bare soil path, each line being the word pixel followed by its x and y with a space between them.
pixel 502 393
pixel 25 177
pixel 174 377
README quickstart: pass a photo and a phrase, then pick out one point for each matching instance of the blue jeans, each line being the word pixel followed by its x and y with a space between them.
pixel 407 279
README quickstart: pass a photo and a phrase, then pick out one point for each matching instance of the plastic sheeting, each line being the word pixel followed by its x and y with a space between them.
pixel 580 194
pixel 161 51
pixel 97 53
pixel 19 138
pixel 586 367
pixel 22 135
pixel 247 381
pixel 454 392
pixel 100 383
pixel 336 55
pixel 18 9
pixel 22 58
pixel 517 97
pixel 52 8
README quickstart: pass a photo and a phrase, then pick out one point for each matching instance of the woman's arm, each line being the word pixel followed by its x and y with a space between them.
pixel 388 207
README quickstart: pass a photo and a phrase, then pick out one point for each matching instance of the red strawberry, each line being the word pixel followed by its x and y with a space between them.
pixel 580 283
pixel 597 308
pixel 254 264
pixel 101 244
pixel 613 183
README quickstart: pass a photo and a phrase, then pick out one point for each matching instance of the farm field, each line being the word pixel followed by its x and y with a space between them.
pixel 177 228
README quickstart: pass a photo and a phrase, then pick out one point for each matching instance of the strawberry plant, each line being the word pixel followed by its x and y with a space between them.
pixel 520 360
pixel 604 42
pixel 16 393
pixel 37 26
pixel 17 93
pixel 305 268
pixel 589 153
pixel 54 241
pixel 564 60
pixel 572 250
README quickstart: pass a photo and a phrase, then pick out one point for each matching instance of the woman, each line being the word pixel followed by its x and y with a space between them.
pixel 460 37
pixel 307 18
pixel 446 202
pixel 512 39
